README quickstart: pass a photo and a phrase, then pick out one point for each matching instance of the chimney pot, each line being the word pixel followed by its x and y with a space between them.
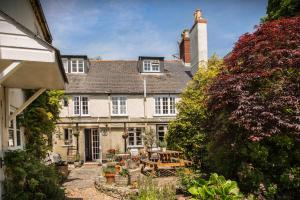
pixel 185 34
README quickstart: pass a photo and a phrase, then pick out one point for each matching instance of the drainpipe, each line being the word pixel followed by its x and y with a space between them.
pixel 145 97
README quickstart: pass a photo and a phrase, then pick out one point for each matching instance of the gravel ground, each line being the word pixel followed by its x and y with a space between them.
pixel 80 184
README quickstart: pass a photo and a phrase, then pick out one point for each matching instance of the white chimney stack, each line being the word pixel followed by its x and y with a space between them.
pixel 198 42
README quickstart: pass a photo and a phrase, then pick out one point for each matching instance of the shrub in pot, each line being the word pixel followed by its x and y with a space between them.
pixel 109 173
pixel 163 145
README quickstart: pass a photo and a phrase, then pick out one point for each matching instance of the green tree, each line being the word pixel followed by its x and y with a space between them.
pixel 39 120
pixel 282 8
pixel 185 133
pixel 27 177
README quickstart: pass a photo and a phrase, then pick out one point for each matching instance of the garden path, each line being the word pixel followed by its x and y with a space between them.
pixel 80 184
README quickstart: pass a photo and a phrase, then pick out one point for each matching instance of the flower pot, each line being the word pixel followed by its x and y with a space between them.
pixel 110 178
pixel 164 149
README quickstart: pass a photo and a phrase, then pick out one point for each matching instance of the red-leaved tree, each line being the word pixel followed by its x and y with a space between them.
pixel 260 86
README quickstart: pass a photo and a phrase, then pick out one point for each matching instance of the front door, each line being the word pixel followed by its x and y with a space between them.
pixel 88 144
pixel 92 145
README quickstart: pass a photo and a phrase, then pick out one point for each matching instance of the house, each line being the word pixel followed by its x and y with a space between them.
pixel 27 61
pixel 110 104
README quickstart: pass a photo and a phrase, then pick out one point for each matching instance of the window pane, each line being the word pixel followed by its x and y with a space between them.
pixel 122 105
pixel 165 105
pixel 161 132
pixel 131 138
pixel 65 63
pixel 155 66
pixel 172 105
pixel 18 138
pixel 138 136
pixel 84 104
pixel 157 105
pixel 147 66
pixel 74 65
pixel 11 138
pixel 115 105
pixel 76 105
pixel 80 65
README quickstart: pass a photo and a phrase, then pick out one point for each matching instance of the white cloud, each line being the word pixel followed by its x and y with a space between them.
pixel 112 29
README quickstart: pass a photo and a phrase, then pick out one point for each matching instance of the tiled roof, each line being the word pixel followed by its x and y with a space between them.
pixel 123 77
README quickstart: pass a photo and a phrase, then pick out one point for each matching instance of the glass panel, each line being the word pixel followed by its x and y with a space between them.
pixel 84 104
pixel 131 138
pixel 76 105
pixel 122 105
pixel 147 65
pixel 74 65
pixel 96 150
pixel 155 66
pixel 157 105
pixel 115 105
pixel 11 138
pixel 80 66
pixel 161 132
pixel 165 105
pixel 18 138
pixel 138 136
pixel 172 105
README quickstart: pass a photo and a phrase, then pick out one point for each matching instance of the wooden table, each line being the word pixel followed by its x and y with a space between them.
pixel 164 160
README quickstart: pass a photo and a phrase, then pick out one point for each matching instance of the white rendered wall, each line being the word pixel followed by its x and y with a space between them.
pixel 22 12
pixel 100 105
pixel 199 52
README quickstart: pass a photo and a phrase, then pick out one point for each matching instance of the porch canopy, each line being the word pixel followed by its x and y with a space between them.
pixel 26 60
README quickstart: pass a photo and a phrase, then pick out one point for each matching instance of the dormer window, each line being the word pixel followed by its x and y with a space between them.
pixel 77 66
pixel 151 66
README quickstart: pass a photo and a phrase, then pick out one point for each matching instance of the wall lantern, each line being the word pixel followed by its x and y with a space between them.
pixel 104 131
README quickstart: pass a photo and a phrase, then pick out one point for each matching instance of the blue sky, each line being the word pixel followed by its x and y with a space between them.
pixel 126 29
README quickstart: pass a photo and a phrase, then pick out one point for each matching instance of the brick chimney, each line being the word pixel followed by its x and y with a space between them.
pixel 184 47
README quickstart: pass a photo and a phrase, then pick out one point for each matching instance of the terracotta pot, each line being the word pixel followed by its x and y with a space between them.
pixel 110 178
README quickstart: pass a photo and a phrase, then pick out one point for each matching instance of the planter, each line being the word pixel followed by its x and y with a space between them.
pixel 110 178
pixel 121 180
pixel 164 149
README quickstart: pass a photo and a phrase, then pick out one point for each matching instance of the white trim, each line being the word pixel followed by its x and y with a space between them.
pixel 77 65
pixel 135 140
pixel 88 106
pixel 119 106
pixel 15 129
pixel 8 71
pixel 161 105
pixel 151 63
pixel 80 105
pixel 26 103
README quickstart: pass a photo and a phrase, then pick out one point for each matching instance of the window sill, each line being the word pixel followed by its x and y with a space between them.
pixel 116 115
pixel 133 147
pixel 169 115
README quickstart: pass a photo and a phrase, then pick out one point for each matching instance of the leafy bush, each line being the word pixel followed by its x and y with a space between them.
pixel 217 187
pixel 186 132
pixel 149 190
pixel 27 178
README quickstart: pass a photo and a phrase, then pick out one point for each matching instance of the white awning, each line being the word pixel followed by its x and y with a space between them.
pixel 26 60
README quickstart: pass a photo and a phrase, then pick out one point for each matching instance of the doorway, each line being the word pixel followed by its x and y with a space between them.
pixel 92 144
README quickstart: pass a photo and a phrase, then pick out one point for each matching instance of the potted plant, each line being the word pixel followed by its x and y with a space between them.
pixel 109 173
pixel 163 145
